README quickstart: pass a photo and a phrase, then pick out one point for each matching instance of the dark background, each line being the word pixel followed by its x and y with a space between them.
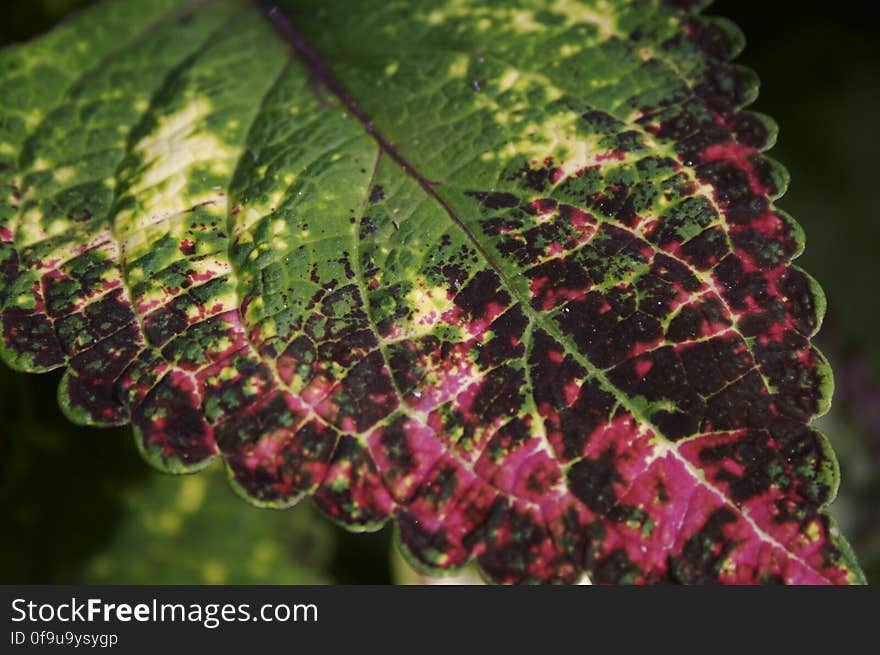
pixel 79 505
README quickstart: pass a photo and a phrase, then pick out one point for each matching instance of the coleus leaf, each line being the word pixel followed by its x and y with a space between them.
pixel 509 273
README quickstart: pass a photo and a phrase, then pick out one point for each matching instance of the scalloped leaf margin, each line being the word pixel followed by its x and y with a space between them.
pixel 510 274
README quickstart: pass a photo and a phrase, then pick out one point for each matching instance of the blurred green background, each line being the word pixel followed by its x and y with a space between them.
pixel 79 505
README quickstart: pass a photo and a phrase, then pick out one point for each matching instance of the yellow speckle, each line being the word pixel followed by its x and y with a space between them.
pixel 426 304
pixel 30 228
pixel 228 373
pixel 177 146
pixel 728 567
pixel 508 79
pixel 459 67
pixel 33 118
pixel 524 22
pixel 814 534
pixel 556 137
pixel 602 15
pixel 268 329
pixel 64 174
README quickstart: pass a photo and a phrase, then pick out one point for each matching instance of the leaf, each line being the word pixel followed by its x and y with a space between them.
pixel 510 274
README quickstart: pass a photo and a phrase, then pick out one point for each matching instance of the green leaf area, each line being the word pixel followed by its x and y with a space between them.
pixel 508 274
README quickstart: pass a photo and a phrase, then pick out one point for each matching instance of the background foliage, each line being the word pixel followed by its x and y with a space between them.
pixel 97 513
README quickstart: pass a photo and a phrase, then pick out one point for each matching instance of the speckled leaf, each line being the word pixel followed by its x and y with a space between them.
pixel 507 273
